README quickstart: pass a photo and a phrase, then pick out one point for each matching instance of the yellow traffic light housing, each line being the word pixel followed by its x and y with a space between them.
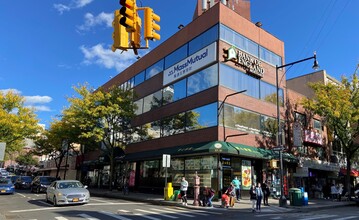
pixel 119 35
pixel 150 25
pixel 129 15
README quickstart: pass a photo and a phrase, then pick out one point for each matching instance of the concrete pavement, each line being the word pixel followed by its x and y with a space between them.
pixel 243 205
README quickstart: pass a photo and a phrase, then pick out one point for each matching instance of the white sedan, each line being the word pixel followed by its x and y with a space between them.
pixel 65 192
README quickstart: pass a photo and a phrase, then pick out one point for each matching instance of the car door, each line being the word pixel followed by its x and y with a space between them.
pixel 50 192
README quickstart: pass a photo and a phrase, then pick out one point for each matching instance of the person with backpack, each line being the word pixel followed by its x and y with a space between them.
pixel 253 196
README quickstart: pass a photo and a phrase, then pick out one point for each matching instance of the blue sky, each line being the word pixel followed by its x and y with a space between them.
pixel 47 47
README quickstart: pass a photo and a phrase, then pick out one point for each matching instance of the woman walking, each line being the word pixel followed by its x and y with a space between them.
pixel 253 196
pixel 259 193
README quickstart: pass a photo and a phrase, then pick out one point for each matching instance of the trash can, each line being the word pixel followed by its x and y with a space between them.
pixel 295 197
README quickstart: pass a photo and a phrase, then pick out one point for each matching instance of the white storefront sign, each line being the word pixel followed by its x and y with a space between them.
pixel 190 64
pixel 166 160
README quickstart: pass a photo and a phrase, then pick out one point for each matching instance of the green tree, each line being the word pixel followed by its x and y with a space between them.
pixel 104 116
pixel 17 122
pixel 27 160
pixel 339 107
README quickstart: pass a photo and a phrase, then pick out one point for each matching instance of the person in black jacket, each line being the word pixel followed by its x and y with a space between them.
pixel 266 193
pixel 253 196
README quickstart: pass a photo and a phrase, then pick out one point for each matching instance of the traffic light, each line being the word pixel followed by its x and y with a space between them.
pixel 151 26
pixel 129 15
pixel 119 35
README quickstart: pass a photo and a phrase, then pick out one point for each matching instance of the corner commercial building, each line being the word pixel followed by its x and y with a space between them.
pixel 207 97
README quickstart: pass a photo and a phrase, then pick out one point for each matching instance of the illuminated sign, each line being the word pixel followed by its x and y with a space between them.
pixel 244 60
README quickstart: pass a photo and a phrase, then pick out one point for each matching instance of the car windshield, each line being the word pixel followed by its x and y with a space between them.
pixel 66 185
pixel 5 181
pixel 47 179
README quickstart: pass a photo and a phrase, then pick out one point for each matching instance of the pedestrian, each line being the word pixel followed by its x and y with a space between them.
pixel 237 186
pixel 210 195
pixel 259 193
pixel 204 194
pixel 253 196
pixel 231 192
pixel 266 193
pixel 183 189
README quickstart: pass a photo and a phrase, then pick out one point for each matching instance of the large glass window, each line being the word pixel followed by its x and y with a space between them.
pixel 317 124
pixel 152 101
pixel 236 80
pixel 299 117
pixel 268 126
pixel 139 104
pixel 153 130
pixel 203 40
pixel 202 80
pixel 154 69
pixel 174 92
pixel 176 56
pixel 202 117
pixel 174 124
pixel 269 56
pixel 140 78
pixel 269 93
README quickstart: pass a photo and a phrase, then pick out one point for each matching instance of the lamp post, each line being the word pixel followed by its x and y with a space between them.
pixel 283 199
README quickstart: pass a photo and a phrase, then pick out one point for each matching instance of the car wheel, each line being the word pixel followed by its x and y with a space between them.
pixel 54 201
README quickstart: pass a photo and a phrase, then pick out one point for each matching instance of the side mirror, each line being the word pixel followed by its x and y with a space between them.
pixel 85 186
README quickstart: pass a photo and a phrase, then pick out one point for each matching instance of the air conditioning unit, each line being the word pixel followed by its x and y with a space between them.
pixel 273 164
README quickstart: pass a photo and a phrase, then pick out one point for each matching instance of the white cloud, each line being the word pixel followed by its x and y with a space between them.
pixel 106 58
pixel 32 101
pixel 37 99
pixel 72 5
pixel 91 21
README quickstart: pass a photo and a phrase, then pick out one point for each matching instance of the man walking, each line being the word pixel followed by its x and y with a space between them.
pixel 259 193
pixel 183 189
pixel 237 186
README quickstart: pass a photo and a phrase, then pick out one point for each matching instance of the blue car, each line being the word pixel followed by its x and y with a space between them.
pixel 6 186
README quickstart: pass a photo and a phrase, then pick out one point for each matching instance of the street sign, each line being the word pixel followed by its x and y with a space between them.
pixel 2 150
pixel 166 160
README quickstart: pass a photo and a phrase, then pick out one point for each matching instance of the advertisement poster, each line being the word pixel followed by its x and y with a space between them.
pixel 246 174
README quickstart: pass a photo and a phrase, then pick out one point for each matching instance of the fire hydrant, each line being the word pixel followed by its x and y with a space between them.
pixel 196 189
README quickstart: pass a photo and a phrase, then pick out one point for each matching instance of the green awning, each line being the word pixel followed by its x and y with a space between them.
pixel 202 148
pixel 286 156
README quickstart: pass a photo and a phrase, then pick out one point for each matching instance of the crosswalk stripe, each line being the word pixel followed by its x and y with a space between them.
pixel 193 211
pixel 318 217
pixel 209 212
pixel 88 217
pixel 61 218
pixel 145 216
pixel 175 212
pixel 345 218
pixel 114 215
pixel 156 213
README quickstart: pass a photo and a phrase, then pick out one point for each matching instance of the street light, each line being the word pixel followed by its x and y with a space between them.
pixel 283 199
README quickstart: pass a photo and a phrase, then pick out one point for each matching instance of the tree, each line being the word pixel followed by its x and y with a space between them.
pixel 17 122
pixel 339 107
pixel 27 160
pixel 104 117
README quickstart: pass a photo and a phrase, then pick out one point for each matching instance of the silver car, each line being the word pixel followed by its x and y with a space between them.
pixel 65 192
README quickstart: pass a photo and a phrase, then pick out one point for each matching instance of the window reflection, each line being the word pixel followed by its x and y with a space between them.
pixel 153 130
pixel 140 78
pixel 202 117
pixel 176 56
pixel 152 101
pixel 205 39
pixel 139 104
pixel 202 80
pixel 154 69
pixel 174 124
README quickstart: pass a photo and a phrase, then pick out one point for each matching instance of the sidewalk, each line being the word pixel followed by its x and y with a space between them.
pixel 243 205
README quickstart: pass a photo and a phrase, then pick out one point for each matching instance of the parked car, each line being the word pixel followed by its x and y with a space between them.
pixel 3 172
pixel 65 192
pixel 23 182
pixel 6 186
pixel 14 178
pixel 40 183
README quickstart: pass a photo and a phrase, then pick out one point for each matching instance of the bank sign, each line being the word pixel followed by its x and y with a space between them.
pixel 190 64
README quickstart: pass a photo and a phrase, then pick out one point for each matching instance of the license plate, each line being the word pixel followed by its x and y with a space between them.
pixel 75 199
pixel 3 191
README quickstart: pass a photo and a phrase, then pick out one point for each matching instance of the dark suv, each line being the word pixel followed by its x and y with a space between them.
pixel 40 183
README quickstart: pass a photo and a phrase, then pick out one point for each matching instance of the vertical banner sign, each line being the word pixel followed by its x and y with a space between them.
pixel 297 134
pixel 246 174
pixel 2 150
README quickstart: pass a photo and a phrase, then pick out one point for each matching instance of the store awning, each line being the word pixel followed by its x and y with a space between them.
pixel 202 148
pixel 286 156
pixel 353 172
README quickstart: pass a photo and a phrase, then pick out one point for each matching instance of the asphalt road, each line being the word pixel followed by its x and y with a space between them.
pixel 31 206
